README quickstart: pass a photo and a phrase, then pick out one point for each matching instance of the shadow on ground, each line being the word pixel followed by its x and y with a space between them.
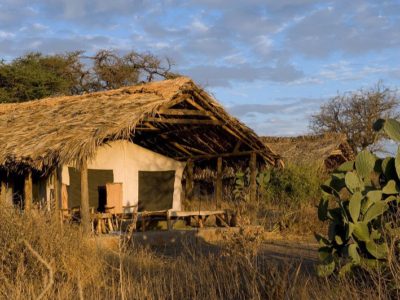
pixel 214 241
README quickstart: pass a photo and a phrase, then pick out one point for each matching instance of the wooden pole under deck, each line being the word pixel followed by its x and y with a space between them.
pixel 253 179
pixel 218 183
pixel 28 191
pixel 189 180
pixel 85 213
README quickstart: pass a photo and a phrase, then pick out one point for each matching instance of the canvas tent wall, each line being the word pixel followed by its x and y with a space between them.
pixel 135 168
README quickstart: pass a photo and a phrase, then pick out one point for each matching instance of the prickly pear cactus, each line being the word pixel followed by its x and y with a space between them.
pixel 355 201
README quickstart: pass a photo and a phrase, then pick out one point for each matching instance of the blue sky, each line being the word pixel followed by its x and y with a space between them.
pixel 271 63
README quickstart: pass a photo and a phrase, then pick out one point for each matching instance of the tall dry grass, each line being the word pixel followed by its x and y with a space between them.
pixel 41 258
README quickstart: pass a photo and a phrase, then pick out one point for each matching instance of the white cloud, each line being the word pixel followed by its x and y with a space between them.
pixel 199 26
pixel 6 34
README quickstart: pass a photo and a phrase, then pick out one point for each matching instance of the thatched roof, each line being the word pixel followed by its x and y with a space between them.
pixel 329 149
pixel 173 117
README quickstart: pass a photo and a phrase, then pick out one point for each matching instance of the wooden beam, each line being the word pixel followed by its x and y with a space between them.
pixel 150 127
pixel 199 107
pixel 238 135
pixel 182 121
pixel 237 146
pixel 207 145
pixel 28 191
pixel 213 156
pixel 182 149
pixel 175 101
pixel 189 180
pixel 85 213
pixel 253 177
pixel 146 129
pixel 194 149
pixel 218 183
pixel 182 112
pixel 180 131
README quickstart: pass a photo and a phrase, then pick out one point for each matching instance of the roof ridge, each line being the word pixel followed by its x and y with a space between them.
pixel 149 87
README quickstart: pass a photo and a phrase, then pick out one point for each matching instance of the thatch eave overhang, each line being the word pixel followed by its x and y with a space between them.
pixel 175 118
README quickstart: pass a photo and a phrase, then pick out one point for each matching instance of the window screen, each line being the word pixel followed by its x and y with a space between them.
pixel 96 179
pixel 156 190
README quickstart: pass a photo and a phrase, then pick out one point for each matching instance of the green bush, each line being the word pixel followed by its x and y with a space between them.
pixel 295 185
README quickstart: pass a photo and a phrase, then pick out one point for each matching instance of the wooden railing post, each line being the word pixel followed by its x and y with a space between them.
pixel 253 175
pixel 218 183
pixel 85 213
pixel 189 180
pixel 28 191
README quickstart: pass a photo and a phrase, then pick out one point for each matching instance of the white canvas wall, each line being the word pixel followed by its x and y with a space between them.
pixel 126 160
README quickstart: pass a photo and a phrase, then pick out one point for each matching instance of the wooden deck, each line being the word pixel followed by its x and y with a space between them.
pixel 111 222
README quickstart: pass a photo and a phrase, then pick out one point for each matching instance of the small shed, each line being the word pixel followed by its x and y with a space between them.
pixel 328 150
pixel 129 146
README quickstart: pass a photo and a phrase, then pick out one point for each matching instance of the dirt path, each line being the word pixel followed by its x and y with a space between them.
pixel 282 249
pixel 292 252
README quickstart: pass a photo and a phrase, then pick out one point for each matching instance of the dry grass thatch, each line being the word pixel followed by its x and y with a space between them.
pixel 60 130
pixel 328 150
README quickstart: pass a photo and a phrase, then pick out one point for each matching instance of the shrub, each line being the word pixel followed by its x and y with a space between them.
pixel 294 186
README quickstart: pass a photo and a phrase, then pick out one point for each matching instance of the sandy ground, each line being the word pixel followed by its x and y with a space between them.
pixel 282 248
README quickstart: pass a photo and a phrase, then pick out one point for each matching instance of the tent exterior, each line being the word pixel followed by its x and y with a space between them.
pixel 123 146
pixel 327 150
pixel 131 176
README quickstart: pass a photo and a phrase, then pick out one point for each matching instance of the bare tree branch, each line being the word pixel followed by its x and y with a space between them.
pixel 48 267
pixel 355 113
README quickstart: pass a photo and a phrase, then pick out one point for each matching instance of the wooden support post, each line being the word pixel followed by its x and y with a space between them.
pixel 57 190
pixel 85 213
pixel 253 179
pixel 189 180
pixel 218 183
pixel 169 221
pixel 3 197
pixel 28 191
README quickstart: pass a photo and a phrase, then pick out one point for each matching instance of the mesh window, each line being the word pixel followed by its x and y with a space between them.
pixel 156 190
pixel 96 179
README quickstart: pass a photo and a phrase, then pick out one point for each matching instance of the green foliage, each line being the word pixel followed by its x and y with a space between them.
pixel 391 127
pixel 242 181
pixel 294 185
pixel 355 200
pixel 35 76
pixel 365 163
pixel 263 179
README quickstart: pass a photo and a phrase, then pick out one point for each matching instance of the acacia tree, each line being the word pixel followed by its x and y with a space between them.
pixel 355 113
pixel 111 70
pixel 35 76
